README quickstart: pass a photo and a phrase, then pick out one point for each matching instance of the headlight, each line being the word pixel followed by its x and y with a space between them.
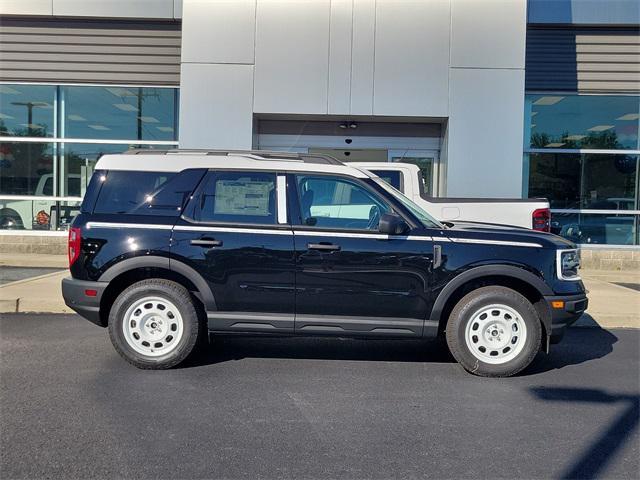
pixel 567 264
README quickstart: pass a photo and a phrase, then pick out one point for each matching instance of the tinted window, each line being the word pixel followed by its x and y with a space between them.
pixel 127 192
pixel 145 193
pixel 392 177
pixel 238 197
pixel 332 202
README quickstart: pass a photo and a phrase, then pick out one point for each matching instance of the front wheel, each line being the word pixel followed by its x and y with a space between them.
pixel 494 332
pixel 154 324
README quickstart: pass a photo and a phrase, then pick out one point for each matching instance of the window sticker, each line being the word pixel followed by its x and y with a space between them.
pixel 242 197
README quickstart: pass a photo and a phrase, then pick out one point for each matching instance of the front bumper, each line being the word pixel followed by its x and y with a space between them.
pixel 573 306
pixel 75 296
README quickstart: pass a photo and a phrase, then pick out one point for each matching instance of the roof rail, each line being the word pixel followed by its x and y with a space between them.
pixel 256 154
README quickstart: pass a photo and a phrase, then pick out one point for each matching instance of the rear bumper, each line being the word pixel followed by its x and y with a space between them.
pixel 75 297
pixel 573 307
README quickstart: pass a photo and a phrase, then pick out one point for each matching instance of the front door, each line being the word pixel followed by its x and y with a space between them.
pixel 351 279
pixel 235 235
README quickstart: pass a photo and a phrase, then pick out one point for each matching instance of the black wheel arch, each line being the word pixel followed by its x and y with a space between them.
pixel 524 282
pixel 131 270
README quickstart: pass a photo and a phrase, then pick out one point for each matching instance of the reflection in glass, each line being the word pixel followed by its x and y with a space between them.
pixel 136 113
pixel 27 110
pixel 583 121
pixel 38 214
pixel 585 181
pixel 26 168
pixel 588 228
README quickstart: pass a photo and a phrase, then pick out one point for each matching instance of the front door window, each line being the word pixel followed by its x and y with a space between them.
pixel 337 203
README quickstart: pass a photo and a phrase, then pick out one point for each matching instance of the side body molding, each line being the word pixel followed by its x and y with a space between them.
pixel 485 271
pixel 164 262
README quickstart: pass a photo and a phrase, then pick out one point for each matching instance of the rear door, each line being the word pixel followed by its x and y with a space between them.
pixel 350 278
pixel 235 234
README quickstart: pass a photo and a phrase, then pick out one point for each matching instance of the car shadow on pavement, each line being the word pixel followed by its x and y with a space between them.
pixel 579 345
pixel 593 460
pixel 226 348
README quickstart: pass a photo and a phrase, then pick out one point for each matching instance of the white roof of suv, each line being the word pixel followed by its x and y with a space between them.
pixel 178 160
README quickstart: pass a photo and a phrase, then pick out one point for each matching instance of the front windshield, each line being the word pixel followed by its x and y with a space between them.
pixel 427 220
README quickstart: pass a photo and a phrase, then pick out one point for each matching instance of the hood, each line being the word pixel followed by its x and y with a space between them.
pixel 509 233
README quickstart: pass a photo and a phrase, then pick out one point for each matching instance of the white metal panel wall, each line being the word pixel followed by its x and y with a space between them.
pixel 291 65
pixel 485 133
pixel 114 8
pixel 411 58
pixel 219 31
pixel 339 84
pixel 362 56
pixel 26 7
pixel 216 106
pixel 488 34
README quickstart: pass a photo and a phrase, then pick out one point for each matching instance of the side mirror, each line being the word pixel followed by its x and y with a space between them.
pixel 392 224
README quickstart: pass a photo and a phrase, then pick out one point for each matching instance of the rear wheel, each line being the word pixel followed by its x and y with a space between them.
pixel 494 332
pixel 154 324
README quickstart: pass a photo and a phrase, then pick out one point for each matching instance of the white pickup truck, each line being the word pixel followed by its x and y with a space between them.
pixel 528 213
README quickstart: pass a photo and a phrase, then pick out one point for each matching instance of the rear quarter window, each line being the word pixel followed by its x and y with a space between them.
pixel 145 193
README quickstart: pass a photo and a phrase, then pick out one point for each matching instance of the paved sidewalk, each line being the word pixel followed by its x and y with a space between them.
pixel 610 304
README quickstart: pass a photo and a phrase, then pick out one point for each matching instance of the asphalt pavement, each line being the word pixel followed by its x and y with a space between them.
pixel 312 408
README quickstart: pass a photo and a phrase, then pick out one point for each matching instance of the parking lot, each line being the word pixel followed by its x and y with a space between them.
pixel 311 408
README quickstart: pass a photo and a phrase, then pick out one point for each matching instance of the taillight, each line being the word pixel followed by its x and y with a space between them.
pixel 541 219
pixel 74 244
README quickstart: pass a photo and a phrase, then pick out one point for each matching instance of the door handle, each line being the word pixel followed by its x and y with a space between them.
pixel 323 246
pixel 206 242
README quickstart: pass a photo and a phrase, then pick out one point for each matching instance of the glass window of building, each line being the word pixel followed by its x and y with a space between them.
pixel 27 110
pixel 583 154
pixel 605 122
pixel 136 113
pixel 81 123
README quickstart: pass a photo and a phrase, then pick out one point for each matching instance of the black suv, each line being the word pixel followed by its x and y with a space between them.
pixel 171 245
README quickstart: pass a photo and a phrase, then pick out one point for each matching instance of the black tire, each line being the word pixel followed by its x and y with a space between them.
pixel 193 323
pixel 463 313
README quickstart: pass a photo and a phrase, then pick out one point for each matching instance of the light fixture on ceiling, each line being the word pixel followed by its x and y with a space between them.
pixel 165 129
pixel 121 92
pixel 5 117
pixel 629 116
pixel 7 90
pixel 149 119
pixel 575 138
pixel 343 125
pixel 353 125
pixel 125 107
pixel 549 100
pixel 98 127
pixel 554 144
pixel 76 118
pixel 600 128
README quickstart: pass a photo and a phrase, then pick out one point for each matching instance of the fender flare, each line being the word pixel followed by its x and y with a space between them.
pixel 206 295
pixel 486 271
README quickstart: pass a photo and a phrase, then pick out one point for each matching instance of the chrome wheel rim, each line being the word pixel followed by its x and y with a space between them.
pixel 496 334
pixel 153 326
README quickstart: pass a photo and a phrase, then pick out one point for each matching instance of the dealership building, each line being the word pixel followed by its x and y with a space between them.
pixel 490 98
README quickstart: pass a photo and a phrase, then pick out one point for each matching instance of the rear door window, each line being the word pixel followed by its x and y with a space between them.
pixel 237 197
